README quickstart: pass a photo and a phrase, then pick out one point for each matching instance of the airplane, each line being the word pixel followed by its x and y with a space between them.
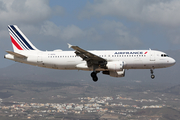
pixel 109 62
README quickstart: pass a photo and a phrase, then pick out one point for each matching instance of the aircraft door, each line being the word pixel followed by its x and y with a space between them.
pixel 152 56
pixel 39 58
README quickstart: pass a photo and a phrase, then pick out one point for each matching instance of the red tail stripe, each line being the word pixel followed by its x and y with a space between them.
pixel 15 43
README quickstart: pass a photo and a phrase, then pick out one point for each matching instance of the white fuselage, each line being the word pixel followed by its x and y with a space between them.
pixel 67 60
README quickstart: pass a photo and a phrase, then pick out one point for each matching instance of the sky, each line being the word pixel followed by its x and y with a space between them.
pixel 92 24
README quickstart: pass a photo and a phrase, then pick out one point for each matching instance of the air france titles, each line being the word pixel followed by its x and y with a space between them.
pixel 128 53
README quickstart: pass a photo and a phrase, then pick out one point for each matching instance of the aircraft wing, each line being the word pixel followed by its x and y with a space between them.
pixel 91 58
pixel 17 54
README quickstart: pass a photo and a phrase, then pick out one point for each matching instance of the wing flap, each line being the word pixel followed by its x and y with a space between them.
pixel 17 54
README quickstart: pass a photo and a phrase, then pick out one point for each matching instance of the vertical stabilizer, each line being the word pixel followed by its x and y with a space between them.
pixel 19 41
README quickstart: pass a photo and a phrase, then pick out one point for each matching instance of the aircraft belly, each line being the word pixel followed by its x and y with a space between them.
pixel 135 64
pixel 145 66
pixel 60 64
pixel 140 64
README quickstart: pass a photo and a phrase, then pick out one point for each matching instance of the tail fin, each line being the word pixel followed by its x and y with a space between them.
pixel 19 41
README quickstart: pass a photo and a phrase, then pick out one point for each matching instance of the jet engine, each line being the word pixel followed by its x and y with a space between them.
pixel 115 69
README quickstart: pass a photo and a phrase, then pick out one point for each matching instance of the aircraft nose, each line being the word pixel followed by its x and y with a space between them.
pixel 173 61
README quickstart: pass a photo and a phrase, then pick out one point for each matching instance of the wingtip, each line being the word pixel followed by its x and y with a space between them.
pixel 69 45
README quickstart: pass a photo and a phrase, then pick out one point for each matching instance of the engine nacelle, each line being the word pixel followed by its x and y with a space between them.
pixel 115 66
pixel 115 73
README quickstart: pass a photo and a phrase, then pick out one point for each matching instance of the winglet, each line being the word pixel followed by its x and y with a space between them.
pixel 69 45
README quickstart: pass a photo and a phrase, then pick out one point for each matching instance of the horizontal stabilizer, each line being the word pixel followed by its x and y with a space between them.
pixel 17 54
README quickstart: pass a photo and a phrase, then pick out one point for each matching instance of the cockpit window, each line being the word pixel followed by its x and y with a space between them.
pixel 164 55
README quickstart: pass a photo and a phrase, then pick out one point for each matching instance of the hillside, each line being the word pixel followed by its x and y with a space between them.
pixel 164 113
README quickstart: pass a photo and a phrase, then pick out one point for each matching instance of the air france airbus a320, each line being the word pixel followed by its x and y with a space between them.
pixel 110 62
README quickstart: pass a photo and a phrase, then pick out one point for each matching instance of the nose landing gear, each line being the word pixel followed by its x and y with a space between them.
pixel 152 75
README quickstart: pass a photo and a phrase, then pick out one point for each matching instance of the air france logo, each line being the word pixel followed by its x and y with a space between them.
pixel 130 52
pixel 145 52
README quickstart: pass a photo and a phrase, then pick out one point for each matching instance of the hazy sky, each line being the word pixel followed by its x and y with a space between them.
pixel 92 24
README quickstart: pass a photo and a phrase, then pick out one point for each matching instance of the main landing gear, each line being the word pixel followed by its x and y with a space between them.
pixel 94 76
pixel 152 75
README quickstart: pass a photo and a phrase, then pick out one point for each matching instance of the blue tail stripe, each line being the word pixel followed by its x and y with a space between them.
pixel 17 38
pixel 22 38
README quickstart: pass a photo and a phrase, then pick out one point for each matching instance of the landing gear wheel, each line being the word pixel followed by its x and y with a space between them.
pixel 152 76
pixel 95 79
pixel 94 76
